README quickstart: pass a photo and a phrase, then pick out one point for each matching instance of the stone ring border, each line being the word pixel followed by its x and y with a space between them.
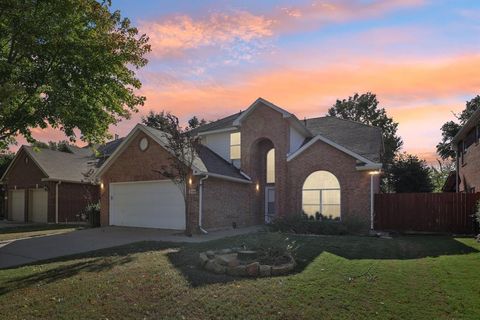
pixel 226 261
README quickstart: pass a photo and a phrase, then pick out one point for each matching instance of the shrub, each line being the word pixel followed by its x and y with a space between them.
pixel 92 212
pixel 302 225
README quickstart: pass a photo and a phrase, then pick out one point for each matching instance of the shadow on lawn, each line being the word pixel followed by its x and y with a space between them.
pixel 184 256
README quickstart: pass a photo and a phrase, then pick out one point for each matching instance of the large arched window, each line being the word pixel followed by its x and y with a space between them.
pixel 271 166
pixel 321 196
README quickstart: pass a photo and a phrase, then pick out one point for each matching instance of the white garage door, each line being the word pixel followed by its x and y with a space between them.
pixel 38 205
pixel 16 206
pixel 156 204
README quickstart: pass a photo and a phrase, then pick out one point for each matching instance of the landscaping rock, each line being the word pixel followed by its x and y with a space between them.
pixel 239 271
pixel 219 269
pixel 210 254
pixel 265 270
pixel 283 269
pixel 210 265
pixel 225 251
pixel 252 269
pixel 227 259
pixel 203 259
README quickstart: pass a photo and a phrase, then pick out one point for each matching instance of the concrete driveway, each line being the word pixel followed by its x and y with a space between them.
pixel 24 251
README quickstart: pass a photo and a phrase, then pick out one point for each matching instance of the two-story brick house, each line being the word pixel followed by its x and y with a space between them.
pixel 466 143
pixel 252 166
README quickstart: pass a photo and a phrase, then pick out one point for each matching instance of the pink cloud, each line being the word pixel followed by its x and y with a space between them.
pixel 174 35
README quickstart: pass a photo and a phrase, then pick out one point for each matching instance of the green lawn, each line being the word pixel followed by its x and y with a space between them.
pixel 35 230
pixel 338 277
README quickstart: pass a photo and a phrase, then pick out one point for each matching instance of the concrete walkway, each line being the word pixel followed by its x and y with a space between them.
pixel 22 251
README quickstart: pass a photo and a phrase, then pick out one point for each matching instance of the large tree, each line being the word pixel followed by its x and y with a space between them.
pixel 410 174
pixel 183 152
pixel 450 129
pixel 68 64
pixel 440 173
pixel 365 108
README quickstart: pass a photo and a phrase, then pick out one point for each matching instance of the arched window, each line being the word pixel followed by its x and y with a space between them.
pixel 271 166
pixel 321 196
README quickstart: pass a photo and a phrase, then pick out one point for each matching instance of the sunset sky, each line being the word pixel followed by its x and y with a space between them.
pixel 213 58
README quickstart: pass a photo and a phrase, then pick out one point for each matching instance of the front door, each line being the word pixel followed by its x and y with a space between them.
pixel 269 204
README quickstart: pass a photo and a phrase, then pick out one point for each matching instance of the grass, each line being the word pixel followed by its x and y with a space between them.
pixel 337 277
pixel 35 230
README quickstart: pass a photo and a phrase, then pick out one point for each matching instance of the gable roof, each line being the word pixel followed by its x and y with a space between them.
pixel 220 124
pixel 360 138
pixel 205 161
pixel 57 165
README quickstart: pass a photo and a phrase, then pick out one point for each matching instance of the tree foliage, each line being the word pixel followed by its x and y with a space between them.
pixel 410 174
pixel 365 108
pixel 5 160
pixel 68 64
pixel 450 129
pixel 62 146
pixel 440 173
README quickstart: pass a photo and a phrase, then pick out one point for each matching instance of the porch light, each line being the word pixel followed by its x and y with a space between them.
pixel 257 186
pixel 101 185
pixel 190 181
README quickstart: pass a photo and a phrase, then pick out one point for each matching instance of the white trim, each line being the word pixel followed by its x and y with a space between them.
pixel 373 166
pixel 15 159
pixel 69 181
pixel 141 181
pixel 204 133
pixel 284 113
pixel 56 201
pixel 369 164
pixel 221 176
pixel 125 143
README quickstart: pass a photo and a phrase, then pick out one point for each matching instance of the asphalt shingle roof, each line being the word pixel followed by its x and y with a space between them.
pixel 362 139
pixel 62 165
pixel 217 125
pixel 206 160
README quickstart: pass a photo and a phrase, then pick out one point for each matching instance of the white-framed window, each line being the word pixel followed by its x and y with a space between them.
pixel 235 143
pixel 321 196
pixel 271 166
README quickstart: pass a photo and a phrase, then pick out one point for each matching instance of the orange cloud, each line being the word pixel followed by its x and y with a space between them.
pixel 405 88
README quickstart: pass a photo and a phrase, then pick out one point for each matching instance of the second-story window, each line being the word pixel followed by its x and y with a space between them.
pixel 235 142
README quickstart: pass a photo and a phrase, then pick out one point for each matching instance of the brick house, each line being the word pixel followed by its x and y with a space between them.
pixel 252 166
pixel 466 143
pixel 49 186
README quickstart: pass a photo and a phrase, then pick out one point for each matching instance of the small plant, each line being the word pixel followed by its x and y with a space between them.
pixel 303 224
pixel 92 211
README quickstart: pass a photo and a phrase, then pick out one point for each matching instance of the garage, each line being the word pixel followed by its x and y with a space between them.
pixel 38 205
pixel 152 204
pixel 16 205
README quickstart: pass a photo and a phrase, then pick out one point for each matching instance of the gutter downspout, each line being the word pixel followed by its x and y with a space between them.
pixel 371 202
pixel 200 205
pixel 56 201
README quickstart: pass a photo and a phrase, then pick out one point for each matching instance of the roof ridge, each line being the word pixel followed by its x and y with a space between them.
pixel 216 121
pixel 347 120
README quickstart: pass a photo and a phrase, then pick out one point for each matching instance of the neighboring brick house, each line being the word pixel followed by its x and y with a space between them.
pixel 253 166
pixel 48 186
pixel 466 143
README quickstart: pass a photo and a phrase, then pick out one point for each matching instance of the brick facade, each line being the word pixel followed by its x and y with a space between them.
pixel 354 185
pixel 226 202
pixel 469 171
pixel 72 197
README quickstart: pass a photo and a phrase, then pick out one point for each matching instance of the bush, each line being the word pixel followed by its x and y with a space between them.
pixel 92 212
pixel 301 225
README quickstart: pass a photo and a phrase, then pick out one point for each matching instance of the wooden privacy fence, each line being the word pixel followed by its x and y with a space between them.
pixel 426 212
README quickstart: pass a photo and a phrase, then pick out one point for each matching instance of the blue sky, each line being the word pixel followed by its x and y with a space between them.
pixel 212 58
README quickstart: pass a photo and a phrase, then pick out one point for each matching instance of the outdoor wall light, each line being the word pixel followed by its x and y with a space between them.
pixel 257 186
pixel 190 181
pixel 101 185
